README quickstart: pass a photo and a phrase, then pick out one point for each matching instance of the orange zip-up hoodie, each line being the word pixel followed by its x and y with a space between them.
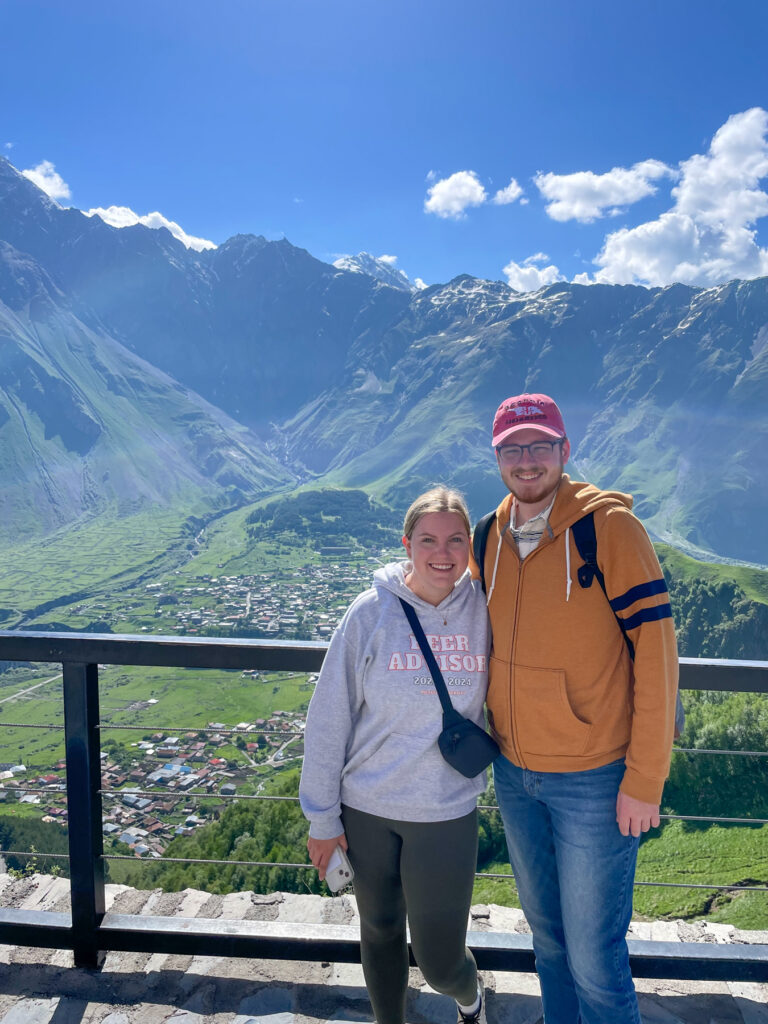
pixel 563 692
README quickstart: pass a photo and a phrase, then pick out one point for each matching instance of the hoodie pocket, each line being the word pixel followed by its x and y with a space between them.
pixel 545 721
pixel 497 700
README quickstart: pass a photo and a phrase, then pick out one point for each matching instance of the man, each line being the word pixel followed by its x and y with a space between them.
pixel 585 731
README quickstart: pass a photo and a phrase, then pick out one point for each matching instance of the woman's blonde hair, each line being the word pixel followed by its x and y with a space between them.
pixel 439 499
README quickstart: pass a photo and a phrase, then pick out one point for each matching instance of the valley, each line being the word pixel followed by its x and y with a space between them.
pixel 175 741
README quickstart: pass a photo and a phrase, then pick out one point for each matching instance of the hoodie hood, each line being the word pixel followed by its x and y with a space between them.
pixel 391 577
pixel 574 499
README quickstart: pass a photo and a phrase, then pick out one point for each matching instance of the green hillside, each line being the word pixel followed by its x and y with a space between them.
pixel 753 581
pixel 720 611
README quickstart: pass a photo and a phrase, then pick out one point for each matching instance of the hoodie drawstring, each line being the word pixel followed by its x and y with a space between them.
pixel 568 579
pixel 495 565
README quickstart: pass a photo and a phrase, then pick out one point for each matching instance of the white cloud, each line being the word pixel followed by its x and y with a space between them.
pixel 389 260
pixel 585 196
pixel 527 277
pixel 420 285
pixel 709 235
pixel 451 196
pixel 509 194
pixel 47 178
pixel 123 217
pixel 8 146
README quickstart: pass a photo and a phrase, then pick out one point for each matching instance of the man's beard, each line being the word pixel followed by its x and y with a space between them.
pixel 546 485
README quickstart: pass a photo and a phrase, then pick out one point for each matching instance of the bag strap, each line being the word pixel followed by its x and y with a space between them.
pixel 585 538
pixel 480 543
pixel 426 650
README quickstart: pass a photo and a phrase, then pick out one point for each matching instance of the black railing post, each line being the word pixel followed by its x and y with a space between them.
pixel 86 866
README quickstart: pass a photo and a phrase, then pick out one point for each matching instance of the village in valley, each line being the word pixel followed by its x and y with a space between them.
pixel 166 784
pixel 304 603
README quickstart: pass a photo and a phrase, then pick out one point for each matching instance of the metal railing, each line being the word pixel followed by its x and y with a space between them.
pixel 89 931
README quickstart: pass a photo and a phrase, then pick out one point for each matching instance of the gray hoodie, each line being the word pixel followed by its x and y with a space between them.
pixel 374 718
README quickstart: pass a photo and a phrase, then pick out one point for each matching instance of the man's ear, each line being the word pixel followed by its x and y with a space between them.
pixel 566 450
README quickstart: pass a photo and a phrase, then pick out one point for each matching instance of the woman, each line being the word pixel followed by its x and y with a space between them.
pixel 374 781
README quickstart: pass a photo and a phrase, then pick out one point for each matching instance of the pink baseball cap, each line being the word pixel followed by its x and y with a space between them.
pixel 524 411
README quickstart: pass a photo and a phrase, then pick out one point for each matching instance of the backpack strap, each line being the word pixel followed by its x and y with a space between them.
pixel 480 543
pixel 585 538
pixel 449 712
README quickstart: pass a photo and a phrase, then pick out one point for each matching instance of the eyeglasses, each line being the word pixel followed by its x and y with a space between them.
pixel 539 451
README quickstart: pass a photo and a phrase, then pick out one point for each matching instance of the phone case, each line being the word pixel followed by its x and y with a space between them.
pixel 339 872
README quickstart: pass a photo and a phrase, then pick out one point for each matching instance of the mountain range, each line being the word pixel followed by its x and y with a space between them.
pixel 136 372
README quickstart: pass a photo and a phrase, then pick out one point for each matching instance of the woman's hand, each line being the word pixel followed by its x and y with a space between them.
pixel 320 851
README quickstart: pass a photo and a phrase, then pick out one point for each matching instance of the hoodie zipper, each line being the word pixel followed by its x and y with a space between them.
pixel 511 693
pixel 516 745
pixel 513 689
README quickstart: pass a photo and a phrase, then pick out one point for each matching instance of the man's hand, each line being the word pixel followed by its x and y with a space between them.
pixel 635 816
pixel 320 851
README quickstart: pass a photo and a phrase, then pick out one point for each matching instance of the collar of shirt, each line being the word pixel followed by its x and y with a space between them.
pixel 529 534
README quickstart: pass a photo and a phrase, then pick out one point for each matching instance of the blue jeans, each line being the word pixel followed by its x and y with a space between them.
pixel 574 872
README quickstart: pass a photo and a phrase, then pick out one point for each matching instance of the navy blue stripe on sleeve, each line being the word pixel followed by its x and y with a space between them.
pixel 659 611
pixel 636 593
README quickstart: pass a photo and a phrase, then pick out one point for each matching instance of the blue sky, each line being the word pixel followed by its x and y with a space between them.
pixel 527 142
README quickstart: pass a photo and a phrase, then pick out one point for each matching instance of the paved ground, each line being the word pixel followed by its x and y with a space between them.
pixel 42 986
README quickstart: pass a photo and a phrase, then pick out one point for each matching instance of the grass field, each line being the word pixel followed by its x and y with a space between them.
pixel 688 852
pixel 190 698
pixel 89 557
pixel 186 699
pixel 34 743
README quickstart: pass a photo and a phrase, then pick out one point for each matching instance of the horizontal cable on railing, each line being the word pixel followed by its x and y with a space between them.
pixel 478 874
pixel 24 788
pixel 206 860
pixel 27 725
pixel 671 817
pixel 738 753
pixel 705 885
pixel 32 853
pixel 714 821
pixel 106 724
pixel 173 794
pixel 666 885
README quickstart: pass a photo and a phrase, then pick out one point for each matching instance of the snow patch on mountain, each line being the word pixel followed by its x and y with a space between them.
pixel 124 217
pixel 380 267
pixel 370 383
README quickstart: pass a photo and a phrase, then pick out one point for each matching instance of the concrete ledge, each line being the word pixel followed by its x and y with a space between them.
pixel 42 986
pixel 303 941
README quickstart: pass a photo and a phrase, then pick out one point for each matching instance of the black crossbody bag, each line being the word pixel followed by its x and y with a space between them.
pixel 464 745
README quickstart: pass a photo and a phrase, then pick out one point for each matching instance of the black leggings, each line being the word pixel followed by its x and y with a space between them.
pixel 426 869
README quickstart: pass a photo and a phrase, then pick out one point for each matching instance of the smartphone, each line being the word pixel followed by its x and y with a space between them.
pixel 339 872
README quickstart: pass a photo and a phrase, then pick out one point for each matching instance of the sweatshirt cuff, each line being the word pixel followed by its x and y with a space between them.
pixel 326 828
pixel 641 787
